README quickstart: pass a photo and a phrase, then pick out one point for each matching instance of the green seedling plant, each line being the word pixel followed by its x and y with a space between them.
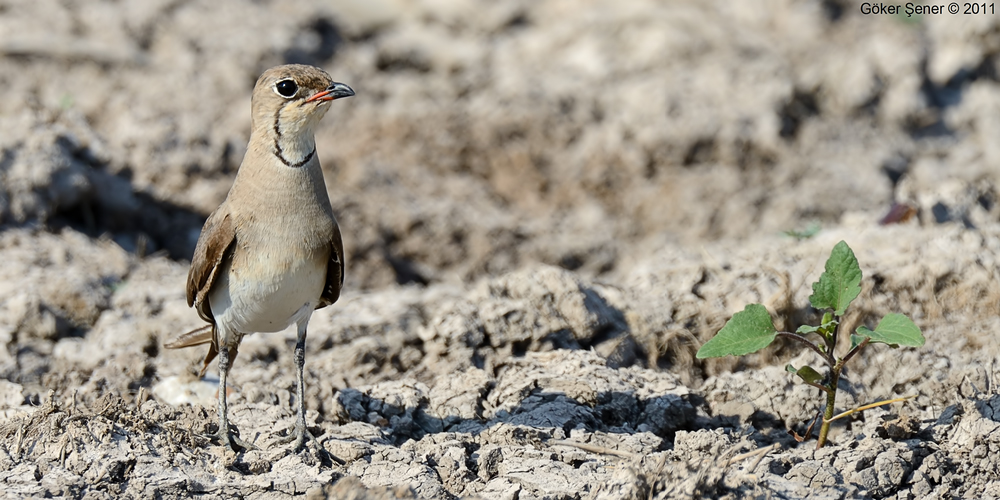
pixel 751 330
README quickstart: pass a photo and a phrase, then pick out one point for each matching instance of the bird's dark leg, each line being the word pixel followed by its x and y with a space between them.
pixel 300 432
pixel 225 434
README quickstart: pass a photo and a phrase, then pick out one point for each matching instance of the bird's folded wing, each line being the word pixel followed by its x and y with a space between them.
pixel 215 244
pixel 334 271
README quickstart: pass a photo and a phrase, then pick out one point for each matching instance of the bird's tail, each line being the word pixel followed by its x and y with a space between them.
pixel 199 336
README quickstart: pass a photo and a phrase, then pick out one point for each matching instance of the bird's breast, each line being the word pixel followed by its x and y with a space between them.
pixel 269 287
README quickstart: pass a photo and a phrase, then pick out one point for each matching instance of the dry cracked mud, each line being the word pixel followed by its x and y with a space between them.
pixel 547 206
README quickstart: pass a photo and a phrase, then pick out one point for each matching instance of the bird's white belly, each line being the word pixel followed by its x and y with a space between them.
pixel 257 298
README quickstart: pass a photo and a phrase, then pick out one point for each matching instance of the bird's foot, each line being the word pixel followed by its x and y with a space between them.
pixel 232 440
pixel 300 435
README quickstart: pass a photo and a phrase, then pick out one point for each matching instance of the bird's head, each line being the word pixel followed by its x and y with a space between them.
pixel 289 101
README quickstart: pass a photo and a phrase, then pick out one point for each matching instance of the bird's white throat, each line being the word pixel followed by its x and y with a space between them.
pixel 295 150
pixel 295 136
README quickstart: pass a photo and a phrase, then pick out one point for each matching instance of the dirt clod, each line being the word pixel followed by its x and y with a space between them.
pixel 548 207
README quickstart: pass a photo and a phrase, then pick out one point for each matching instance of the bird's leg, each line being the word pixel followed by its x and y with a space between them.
pixel 300 432
pixel 300 364
pixel 225 434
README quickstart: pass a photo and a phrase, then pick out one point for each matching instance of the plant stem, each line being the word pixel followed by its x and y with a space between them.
pixel 794 336
pixel 831 394
pixel 870 406
pixel 857 349
pixel 818 386
pixel 831 401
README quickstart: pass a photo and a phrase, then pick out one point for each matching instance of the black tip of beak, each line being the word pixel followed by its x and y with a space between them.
pixel 338 90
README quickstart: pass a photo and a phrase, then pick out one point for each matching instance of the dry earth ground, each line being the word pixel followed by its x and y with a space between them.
pixel 548 206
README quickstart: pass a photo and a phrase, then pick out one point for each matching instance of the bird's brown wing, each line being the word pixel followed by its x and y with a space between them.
pixel 217 240
pixel 334 271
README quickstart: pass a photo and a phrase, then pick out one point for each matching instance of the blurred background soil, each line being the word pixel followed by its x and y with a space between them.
pixel 547 207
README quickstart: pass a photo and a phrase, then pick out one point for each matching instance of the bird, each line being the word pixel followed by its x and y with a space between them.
pixel 272 252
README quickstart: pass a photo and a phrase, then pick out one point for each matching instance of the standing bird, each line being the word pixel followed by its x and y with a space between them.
pixel 272 252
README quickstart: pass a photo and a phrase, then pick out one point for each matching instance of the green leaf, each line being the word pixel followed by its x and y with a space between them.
pixel 791 369
pixel 895 329
pixel 840 283
pixel 804 329
pixel 808 374
pixel 747 331
pixel 808 232
pixel 864 332
pixel 829 327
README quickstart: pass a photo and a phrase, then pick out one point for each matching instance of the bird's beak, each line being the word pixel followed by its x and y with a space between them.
pixel 334 91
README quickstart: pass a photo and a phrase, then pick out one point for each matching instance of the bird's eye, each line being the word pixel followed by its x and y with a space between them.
pixel 286 88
